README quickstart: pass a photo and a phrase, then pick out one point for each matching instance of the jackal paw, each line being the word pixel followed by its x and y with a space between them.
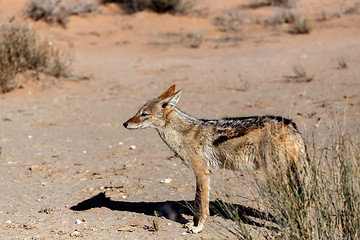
pixel 194 229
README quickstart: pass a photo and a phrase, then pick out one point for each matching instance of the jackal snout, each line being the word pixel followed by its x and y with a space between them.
pixel 133 123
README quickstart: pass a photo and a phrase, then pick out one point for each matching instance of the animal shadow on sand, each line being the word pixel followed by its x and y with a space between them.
pixel 174 210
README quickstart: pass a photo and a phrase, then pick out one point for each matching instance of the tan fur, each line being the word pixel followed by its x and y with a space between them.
pixel 248 143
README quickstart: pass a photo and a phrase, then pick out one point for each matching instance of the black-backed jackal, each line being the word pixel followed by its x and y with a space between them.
pixel 244 143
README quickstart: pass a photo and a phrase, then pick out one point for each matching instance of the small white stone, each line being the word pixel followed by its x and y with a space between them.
pixel 123 196
pixel 166 180
pixel 30 137
pixel 121 143
pixel 110 146
pixel 132 147
pixel 78 221
pixel 84 152
pixel 8 222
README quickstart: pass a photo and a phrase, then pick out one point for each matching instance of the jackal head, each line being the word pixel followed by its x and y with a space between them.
pixel 154 113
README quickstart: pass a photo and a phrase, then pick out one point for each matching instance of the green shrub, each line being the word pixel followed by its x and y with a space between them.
pixel 22 50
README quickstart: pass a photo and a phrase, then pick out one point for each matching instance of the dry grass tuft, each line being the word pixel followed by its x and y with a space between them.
pixel 353 10
pixel 58 11
pixel 47 10
pixel 158 6
pixel 329 206
pixel 324 203
pixel 284 3
pixel 172 6
pixel 301 26
pixel 192 39
pixel 342 64
pixel 284 15
pixel 299 76
pixel 340 14
pixel 231 20
pixel 287 196
pixel 276 3
pixel 21 50
pixel 156 222
pixel 298 24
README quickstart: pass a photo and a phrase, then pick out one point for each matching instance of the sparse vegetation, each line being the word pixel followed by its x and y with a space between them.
pixel 159 6
pixel 192 39
pixel 325 204
pixel 300 75
pixel 232 213
pixel 58 11
pixel 21 50
pixel 283 3
pixel 172 6
pixel 284 15
pixel 298 24
pixel 231 20
pixel 325 15
pixel 276 3
pixel 287 197
pixel 329 208
pixel 348 11
pixel 353 9
pixel 342 64
pixel 156 222
pixel 301 25
pixel 46 10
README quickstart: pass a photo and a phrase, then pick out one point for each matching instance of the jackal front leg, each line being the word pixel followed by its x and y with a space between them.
pixel 201 204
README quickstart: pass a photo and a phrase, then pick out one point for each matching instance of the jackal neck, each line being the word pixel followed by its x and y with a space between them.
pixel 176 128
pixel 177 120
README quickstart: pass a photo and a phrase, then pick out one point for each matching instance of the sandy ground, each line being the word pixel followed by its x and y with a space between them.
pixel 66 163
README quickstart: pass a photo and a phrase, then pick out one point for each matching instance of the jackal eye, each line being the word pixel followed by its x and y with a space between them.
pixel 144 114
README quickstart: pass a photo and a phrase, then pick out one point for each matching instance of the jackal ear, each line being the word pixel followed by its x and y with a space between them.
pixel 168 92
pixel 170 102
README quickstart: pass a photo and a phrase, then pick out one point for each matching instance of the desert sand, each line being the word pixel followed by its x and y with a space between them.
pixel 70 170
